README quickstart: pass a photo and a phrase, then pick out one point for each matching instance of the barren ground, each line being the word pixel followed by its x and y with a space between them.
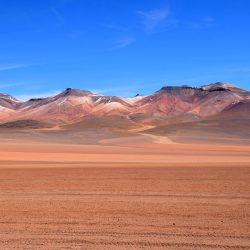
pixel 124 195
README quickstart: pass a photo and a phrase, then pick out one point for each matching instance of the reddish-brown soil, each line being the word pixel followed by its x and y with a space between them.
pixel 150 196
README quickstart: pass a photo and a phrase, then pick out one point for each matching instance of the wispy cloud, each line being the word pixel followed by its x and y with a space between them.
pixel 208 20
pixel 154 19
pixel 9 85
pixel 25 97
pixel 204 22
pixel 59 18
pixel 4 67
pixel 123 42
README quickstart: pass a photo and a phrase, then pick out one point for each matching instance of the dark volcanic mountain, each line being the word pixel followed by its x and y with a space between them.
pixel 171 104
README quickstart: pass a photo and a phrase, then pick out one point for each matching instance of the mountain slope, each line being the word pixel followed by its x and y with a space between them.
pixel 170 104
pixel 70 106
pixel 231 125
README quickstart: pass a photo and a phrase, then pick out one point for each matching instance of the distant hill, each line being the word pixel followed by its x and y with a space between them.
pixel 209 109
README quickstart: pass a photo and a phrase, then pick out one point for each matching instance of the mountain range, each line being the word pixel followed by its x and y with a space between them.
pixel 164 109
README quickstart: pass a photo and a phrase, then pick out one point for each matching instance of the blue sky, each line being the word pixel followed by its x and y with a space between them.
pixel 121 47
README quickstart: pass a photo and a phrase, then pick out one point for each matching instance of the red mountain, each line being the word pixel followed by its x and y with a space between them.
pixel 170 103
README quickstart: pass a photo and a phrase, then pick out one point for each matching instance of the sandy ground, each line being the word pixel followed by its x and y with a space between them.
pixel 125 195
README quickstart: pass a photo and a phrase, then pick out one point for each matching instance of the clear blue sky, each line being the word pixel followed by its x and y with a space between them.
pixel 122 47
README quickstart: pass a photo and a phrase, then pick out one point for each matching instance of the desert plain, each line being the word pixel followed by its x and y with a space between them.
pixel 141 192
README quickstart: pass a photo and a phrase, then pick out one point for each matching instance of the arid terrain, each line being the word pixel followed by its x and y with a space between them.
pixel 124 124
pixel 166 171
pixel 141 192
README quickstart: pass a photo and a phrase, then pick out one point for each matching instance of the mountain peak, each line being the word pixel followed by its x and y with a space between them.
pixel 173 88
pixel 8 101
pixel 224 85
pixel 8 97
pixel 138 95
pixel 76 92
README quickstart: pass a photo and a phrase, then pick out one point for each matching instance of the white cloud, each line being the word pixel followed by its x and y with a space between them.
pixel 208 20
pixel 154 19
pixel 9 85
pixel 59 18
pixel 204 22
pixel 124 42
pixel 4 67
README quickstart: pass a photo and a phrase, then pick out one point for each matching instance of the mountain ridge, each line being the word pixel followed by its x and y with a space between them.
pixel 73 105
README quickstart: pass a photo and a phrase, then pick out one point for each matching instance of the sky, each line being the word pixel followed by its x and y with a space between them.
pixel 121 47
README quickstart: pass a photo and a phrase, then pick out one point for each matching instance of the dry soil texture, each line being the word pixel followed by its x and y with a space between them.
pixel 150 196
